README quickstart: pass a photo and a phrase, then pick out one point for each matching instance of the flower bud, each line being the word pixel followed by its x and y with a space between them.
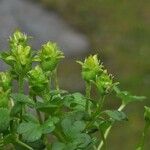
pixel 91 68
pixel 104 83
pixel 37 79
pixel 49 56
pixel 18 38
pixel 5 81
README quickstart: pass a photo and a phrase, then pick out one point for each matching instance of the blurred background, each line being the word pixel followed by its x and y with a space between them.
pixel 118 31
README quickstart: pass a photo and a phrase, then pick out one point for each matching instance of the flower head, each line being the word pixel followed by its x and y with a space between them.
pixel 49 56
pixel 18 38
pixel 37 79
pixel 104 82
pixel 91 68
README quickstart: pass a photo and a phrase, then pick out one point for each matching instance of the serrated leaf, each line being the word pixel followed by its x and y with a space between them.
pixel 30 131
pixel 23 99
pixel 71 128
pixel 4 119
pixel 49 125
pixel 75 101
pixel 127 97
pixel 116 115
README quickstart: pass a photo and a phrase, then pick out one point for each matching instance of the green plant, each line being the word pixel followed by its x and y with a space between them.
pixel 49 117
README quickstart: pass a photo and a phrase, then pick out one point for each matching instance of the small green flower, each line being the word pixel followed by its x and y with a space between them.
pixel 147 114
pixel 91 68
pixel 5 81
pixel 18 38
pixel 37 79
pixel 49 56
pixel 104 83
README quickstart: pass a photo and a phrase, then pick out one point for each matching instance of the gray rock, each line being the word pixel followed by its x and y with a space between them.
pixel 43 25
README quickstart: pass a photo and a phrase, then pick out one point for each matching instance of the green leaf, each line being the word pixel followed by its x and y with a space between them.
pixel 16 109
pixel 58 146
pixel 30 131
pixel 116 115
pixel 75 101
pixel 126 97
pixel 72 128
pixel 46 107
pixel 4 119
pixel 49 125
pixel 23 99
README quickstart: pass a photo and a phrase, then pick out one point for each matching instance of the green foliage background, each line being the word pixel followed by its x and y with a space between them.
pixel 120 32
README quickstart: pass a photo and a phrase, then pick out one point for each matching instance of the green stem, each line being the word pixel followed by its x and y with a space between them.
pixel 59 136
pixel 88 95
pixel 56 79
pixel 103 138
pixel 21 83
pixel 37 112
pixel 97 112
pixel 108 130
pixel 142 141
pixel 24 145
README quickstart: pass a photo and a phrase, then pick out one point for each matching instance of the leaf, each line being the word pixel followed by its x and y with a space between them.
pixel 58 146
pixel 30 131
pixel 4 119
pixel 30 118
pixel 46 107
pixel 16 109
pixel 126 97
pixel 116 115
pixel 23 99
pixel 75 101
pixel 49 125
pixel 83 140
pixel 72 128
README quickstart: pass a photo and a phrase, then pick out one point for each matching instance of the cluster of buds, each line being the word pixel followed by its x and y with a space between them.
pixel 37 79
pixel 5 88
pixel 90 68
pixel 49 56
pixel 18 38
pixel 19 57
pixel 93 71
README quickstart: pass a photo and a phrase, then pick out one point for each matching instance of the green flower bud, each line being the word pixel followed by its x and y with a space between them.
pixel 5 81
pixel 104 83
pixel 22 54
pixel 18 38
pixel 37 79
pixel 147 114
pixel 49 56
pixel 91 68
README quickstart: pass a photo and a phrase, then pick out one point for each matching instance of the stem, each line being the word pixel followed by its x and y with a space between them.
pixel 142 141
pixel 97 112
pixel 20 84
pixel 88 94
pixel 103 138
pixel 37 112
pixel 59 136
pixel 56 79
pixel 108 129
pixel 24 145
